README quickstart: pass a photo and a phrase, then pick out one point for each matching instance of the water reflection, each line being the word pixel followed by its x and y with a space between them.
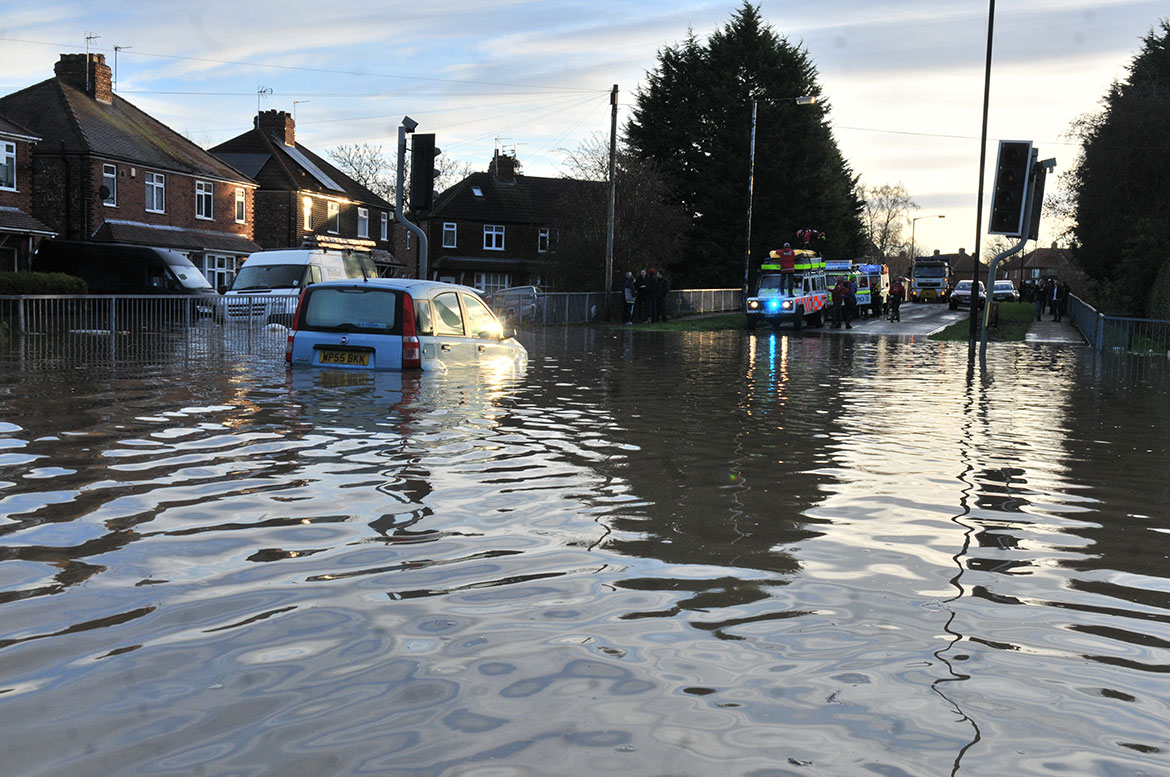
pixel 651 553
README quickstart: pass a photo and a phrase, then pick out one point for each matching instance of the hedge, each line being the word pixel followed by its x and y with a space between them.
pixel 41 283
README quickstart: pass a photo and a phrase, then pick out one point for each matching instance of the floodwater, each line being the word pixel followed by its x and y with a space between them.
pixel 770 555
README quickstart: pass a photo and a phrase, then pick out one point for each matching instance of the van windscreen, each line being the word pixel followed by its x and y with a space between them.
pixel 269 276
pixel 351 310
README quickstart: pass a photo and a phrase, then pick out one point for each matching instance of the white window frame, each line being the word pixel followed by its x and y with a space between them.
pixel 156 192
pixel 307 216
pixel 493 237
pixel 204 200
pixel 333 218
pixel 110 181
pixel 385 225
pixel 8 154
pixel 450 234
pixel 241 206
pixel 543 240
pixel 363 222
pixel 487 282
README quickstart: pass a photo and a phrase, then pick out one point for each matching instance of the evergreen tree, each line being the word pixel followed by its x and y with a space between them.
pixel 693 118
pixel 1121 185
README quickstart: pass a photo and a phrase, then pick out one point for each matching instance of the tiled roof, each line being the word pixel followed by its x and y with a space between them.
pixel 173 237
pixel 12 129
pixel 277 167
pixel 16 220
pixel 527 200
pixel 65 117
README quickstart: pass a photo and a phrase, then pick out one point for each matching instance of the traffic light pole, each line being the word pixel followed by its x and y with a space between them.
pixel 1027 230
pixel 398 214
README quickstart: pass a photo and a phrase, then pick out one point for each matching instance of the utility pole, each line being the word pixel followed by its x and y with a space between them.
pixel 747 248
pixel 613 102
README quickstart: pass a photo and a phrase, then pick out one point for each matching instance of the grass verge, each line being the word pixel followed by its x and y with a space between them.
pixel 1014 320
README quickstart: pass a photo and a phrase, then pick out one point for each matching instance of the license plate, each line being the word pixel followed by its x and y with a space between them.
pixel 356 358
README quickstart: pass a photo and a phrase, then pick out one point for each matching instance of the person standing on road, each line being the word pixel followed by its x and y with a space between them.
pixel 850 301
pixel 837 295
pixel 897 294
pixel 1056 301
pixel 631 296
pixel 1042 295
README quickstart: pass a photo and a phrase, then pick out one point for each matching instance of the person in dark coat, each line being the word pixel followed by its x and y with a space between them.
pixel 659 287
pixel 1056 301
pixel 631 296
pixel 641 297
pixel 897 294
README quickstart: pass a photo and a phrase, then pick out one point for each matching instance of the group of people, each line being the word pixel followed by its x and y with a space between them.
pixel 645 297
pixel 843 297
pixel 1052 296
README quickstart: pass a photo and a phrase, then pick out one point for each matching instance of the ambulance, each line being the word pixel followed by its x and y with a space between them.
pixel 800 296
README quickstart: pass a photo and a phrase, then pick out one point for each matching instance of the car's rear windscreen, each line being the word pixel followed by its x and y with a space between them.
pixel 352 310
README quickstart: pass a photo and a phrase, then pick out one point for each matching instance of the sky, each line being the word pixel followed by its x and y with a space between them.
pixel 904 81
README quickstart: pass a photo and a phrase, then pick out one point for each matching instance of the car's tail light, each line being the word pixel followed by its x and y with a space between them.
pixel 292 330
pixel 411 348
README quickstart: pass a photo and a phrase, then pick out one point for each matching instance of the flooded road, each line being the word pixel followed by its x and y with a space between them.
pixel 767 555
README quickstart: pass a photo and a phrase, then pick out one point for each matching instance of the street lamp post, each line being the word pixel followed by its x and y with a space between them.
pixel 807 99
pixel 913 224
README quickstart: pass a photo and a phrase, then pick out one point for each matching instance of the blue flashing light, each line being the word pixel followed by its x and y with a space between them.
pixel 773 304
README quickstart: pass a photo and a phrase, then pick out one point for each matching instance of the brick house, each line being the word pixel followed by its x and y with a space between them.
pixel 496 229
pixel 19 231
pixel 105 171
pixel 303 199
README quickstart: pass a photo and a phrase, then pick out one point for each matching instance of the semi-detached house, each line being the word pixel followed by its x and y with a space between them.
pixel 105 171
pixel 20 233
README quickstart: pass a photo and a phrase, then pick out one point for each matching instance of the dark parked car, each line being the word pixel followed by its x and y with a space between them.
pixel 961 296
pixel 1005 291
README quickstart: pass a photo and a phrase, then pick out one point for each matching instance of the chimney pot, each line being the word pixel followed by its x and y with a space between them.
pixel 278 123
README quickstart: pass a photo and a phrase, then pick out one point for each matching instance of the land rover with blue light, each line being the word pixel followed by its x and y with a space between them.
pixel 798 296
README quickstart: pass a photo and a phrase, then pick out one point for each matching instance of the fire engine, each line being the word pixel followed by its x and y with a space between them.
pixel 799 296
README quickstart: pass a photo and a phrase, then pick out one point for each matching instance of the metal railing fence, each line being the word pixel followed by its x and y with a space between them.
pixel 1121 334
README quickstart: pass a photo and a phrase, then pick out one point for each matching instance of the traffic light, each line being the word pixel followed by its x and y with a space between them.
pixel 423 172
pixel 1011 187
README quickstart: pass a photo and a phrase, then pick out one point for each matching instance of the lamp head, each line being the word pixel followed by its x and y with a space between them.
pixel 409 124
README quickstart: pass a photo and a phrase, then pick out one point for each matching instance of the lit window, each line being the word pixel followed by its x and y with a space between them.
pixel 203 199
pixel 241 206
pixel 385 226
pixel 110 181
pixel 333 218
pixel 363 222
pixel 493 237
pixel 156 192
pixel 449 234
pixel 8 166
pixel 307 210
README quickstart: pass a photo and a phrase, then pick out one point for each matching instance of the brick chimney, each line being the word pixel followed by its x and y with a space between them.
pixel 280 124
pixel 89 73
pixel 503 168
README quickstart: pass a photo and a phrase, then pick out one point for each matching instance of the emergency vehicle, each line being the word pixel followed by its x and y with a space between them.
pixel 799 296
pixel 930 279
pixel 876 278
pixel 836 269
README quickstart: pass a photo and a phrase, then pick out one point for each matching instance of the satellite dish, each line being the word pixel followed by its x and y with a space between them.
pixel 104 192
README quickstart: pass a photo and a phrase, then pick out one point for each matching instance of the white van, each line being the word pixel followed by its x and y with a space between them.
pixel 269 282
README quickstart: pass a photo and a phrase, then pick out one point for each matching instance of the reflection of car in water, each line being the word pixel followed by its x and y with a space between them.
pixel 397 324
pixel 798 297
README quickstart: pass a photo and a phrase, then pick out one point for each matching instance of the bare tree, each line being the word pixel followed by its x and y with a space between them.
pixel 887 209
pixel 367 165
pixel 450 172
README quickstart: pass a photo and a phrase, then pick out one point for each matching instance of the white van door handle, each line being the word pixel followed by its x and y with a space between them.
pixel 446 347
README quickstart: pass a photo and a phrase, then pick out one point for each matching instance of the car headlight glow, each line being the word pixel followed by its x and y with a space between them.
pixel 753 304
